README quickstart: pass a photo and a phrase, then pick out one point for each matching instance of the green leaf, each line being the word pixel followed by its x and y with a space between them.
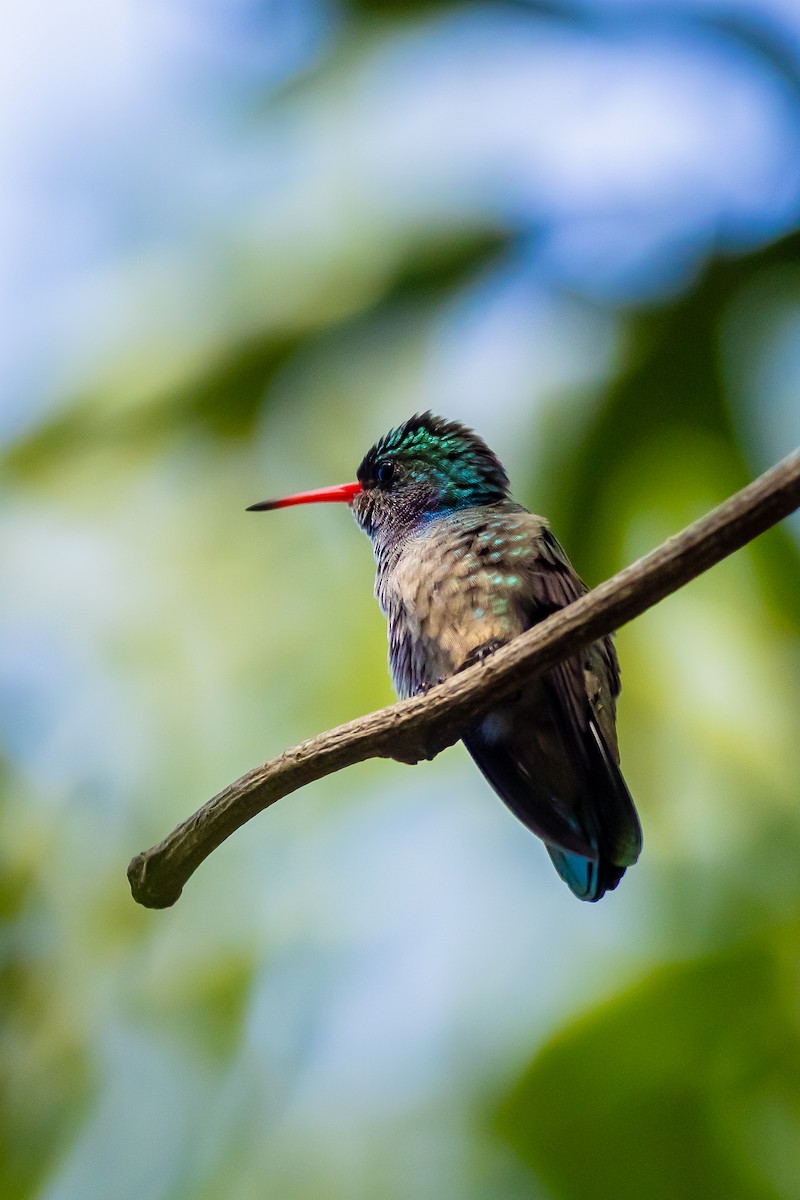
pixel 686 1087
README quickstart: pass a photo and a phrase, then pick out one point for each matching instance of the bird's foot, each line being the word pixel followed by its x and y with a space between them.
pixel 480 653
pixel 424 688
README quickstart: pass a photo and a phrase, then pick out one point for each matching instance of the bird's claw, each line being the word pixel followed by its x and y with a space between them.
pixel 424 688
pixel 480 653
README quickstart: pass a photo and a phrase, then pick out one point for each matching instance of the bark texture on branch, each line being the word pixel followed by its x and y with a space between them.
pixel 421 727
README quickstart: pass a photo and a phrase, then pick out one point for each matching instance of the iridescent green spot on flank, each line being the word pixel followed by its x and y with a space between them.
pixel 512 580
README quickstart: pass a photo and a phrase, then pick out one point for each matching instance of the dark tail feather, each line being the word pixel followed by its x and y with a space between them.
pixel 572 795
pixel 588 879
pixel 616 834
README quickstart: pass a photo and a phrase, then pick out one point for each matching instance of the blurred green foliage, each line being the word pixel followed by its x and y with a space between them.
pixel 689 1085
pixel 379 989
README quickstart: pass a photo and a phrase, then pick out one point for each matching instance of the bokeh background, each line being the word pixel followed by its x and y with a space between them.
pixel 239 240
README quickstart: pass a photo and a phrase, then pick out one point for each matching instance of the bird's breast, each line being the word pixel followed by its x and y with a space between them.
pixel 443 598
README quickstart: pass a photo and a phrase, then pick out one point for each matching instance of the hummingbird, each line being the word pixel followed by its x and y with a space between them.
pixel 461 569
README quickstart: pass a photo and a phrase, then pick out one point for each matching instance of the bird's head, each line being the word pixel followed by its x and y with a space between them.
pixel 426 467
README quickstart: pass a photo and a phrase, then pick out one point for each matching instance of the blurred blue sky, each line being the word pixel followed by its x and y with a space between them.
pixel 144 163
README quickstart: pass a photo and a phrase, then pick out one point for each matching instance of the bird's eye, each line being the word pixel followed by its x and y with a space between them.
pixel 386 473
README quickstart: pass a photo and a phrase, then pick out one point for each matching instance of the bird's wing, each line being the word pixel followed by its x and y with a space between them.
pixel 551 754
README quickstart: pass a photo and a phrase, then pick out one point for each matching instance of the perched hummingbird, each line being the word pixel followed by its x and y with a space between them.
pixel 462 569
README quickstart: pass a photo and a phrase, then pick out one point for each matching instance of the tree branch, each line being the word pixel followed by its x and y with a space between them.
pixel 421 727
